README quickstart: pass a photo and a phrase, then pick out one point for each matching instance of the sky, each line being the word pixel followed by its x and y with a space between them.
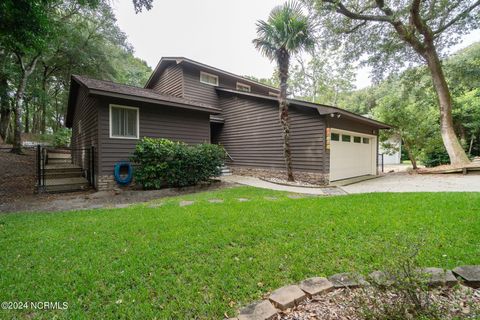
pixel 215 32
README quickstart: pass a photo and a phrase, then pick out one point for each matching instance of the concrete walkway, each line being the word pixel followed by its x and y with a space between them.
pixel 258 183
pixel 404 182
pixel 393 182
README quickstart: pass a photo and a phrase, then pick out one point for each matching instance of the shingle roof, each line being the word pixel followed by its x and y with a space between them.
pixel 101 87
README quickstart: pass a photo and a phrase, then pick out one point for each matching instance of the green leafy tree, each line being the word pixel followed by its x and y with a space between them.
pixel 26 28
pixel 392 33
pixel 286 32
pixel 323 78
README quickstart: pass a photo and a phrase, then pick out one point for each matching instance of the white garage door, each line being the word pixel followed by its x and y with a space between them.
pixel 352 154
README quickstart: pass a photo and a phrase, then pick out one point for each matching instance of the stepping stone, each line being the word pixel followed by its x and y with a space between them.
pixel 287 297
pixel 243 199
pixel 215 201
pixel 316 285
pixel 470 275
pixel 261 310
pixel 380 278
pixel 156 205
pixel 347 280
pixel 186 203
pixel 440 277
pixel 271 198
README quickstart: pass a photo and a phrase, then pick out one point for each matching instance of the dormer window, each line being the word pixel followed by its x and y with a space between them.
pixel 208 78
pixel 243 87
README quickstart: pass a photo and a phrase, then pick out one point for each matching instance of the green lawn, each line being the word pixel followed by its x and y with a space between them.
pixel 208 259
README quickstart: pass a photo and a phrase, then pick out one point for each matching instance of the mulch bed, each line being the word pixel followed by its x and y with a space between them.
pixel 17 174
pixel 347 304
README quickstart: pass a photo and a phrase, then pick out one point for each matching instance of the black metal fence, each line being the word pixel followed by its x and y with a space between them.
pixel 84 158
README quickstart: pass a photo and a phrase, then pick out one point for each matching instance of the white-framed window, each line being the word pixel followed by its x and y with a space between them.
pixel 208 78
pixel 124 122
pixel 243 87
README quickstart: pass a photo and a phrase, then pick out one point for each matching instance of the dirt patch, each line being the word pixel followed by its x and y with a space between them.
pixel 17 174
pixel 101 199
pixel 456 303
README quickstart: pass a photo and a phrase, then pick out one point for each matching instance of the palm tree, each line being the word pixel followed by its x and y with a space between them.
pixel 286 32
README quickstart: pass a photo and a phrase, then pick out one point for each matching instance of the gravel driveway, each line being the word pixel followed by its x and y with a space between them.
pixel 404 182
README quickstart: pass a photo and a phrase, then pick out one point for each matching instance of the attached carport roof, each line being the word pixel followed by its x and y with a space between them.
pixel 322 109
pixel 122 91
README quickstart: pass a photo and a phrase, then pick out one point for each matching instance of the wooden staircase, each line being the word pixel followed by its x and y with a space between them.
pixel 61 175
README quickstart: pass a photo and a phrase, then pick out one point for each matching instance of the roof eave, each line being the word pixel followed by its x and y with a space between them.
pixel 211 110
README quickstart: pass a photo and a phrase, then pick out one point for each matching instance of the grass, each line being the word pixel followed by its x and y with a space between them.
pixel 208 259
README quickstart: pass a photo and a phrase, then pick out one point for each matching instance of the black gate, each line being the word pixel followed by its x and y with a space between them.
pixel 82 158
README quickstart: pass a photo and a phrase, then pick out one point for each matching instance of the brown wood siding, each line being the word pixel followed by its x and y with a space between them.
pixel 170 81
pixel 84 129
pixel 350 125
pixel 155 122
pixel 252 134
pixel 197 91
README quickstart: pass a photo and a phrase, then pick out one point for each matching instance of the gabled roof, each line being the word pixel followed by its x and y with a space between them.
pixel 116 90
pixel 321 108
pixel 165 61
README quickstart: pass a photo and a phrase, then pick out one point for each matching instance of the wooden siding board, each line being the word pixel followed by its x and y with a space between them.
pixel 191 127
pixel 252 134
pixel 84 129
pixel 170 81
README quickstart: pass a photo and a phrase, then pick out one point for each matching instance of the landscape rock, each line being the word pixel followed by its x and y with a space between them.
pixel 381 278
pixel 215 201
pixel 347 280
pixel 287 297
pixel 316 285
pixel 260 310
pixel 469 274
pixel 440 277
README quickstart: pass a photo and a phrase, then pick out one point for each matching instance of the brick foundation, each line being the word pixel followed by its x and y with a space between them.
pixel 304 176
pixel 105 183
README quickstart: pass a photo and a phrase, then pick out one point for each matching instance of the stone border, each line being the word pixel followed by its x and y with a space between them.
pixel 291 295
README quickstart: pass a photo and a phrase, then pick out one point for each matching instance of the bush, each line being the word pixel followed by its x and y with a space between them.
pixel 162 162
pixel 435 154
pixel 62 137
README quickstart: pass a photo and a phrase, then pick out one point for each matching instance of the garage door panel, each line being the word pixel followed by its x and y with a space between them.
pixel 351 159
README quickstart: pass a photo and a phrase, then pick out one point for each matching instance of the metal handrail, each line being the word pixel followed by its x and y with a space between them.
pixel 228 155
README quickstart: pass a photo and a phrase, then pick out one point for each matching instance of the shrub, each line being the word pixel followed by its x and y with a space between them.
pixel 435 154
pixel 162 162
pixel 62 137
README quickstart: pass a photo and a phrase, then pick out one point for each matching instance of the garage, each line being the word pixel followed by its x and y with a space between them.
pixel 352 154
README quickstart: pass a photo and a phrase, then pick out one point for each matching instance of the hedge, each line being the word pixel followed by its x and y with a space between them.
pixel 165 163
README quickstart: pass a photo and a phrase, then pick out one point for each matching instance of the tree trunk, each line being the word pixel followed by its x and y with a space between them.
pixel 471 145
pixel 5 112
pixel 283 59
pixel 43 124
pixel 5 108
pixel 27 117
pixel 411 157
pixel 454 149
pixel 18 103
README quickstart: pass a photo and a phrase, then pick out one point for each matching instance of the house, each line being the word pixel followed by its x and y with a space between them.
pixel 189 101
pixel 391 150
